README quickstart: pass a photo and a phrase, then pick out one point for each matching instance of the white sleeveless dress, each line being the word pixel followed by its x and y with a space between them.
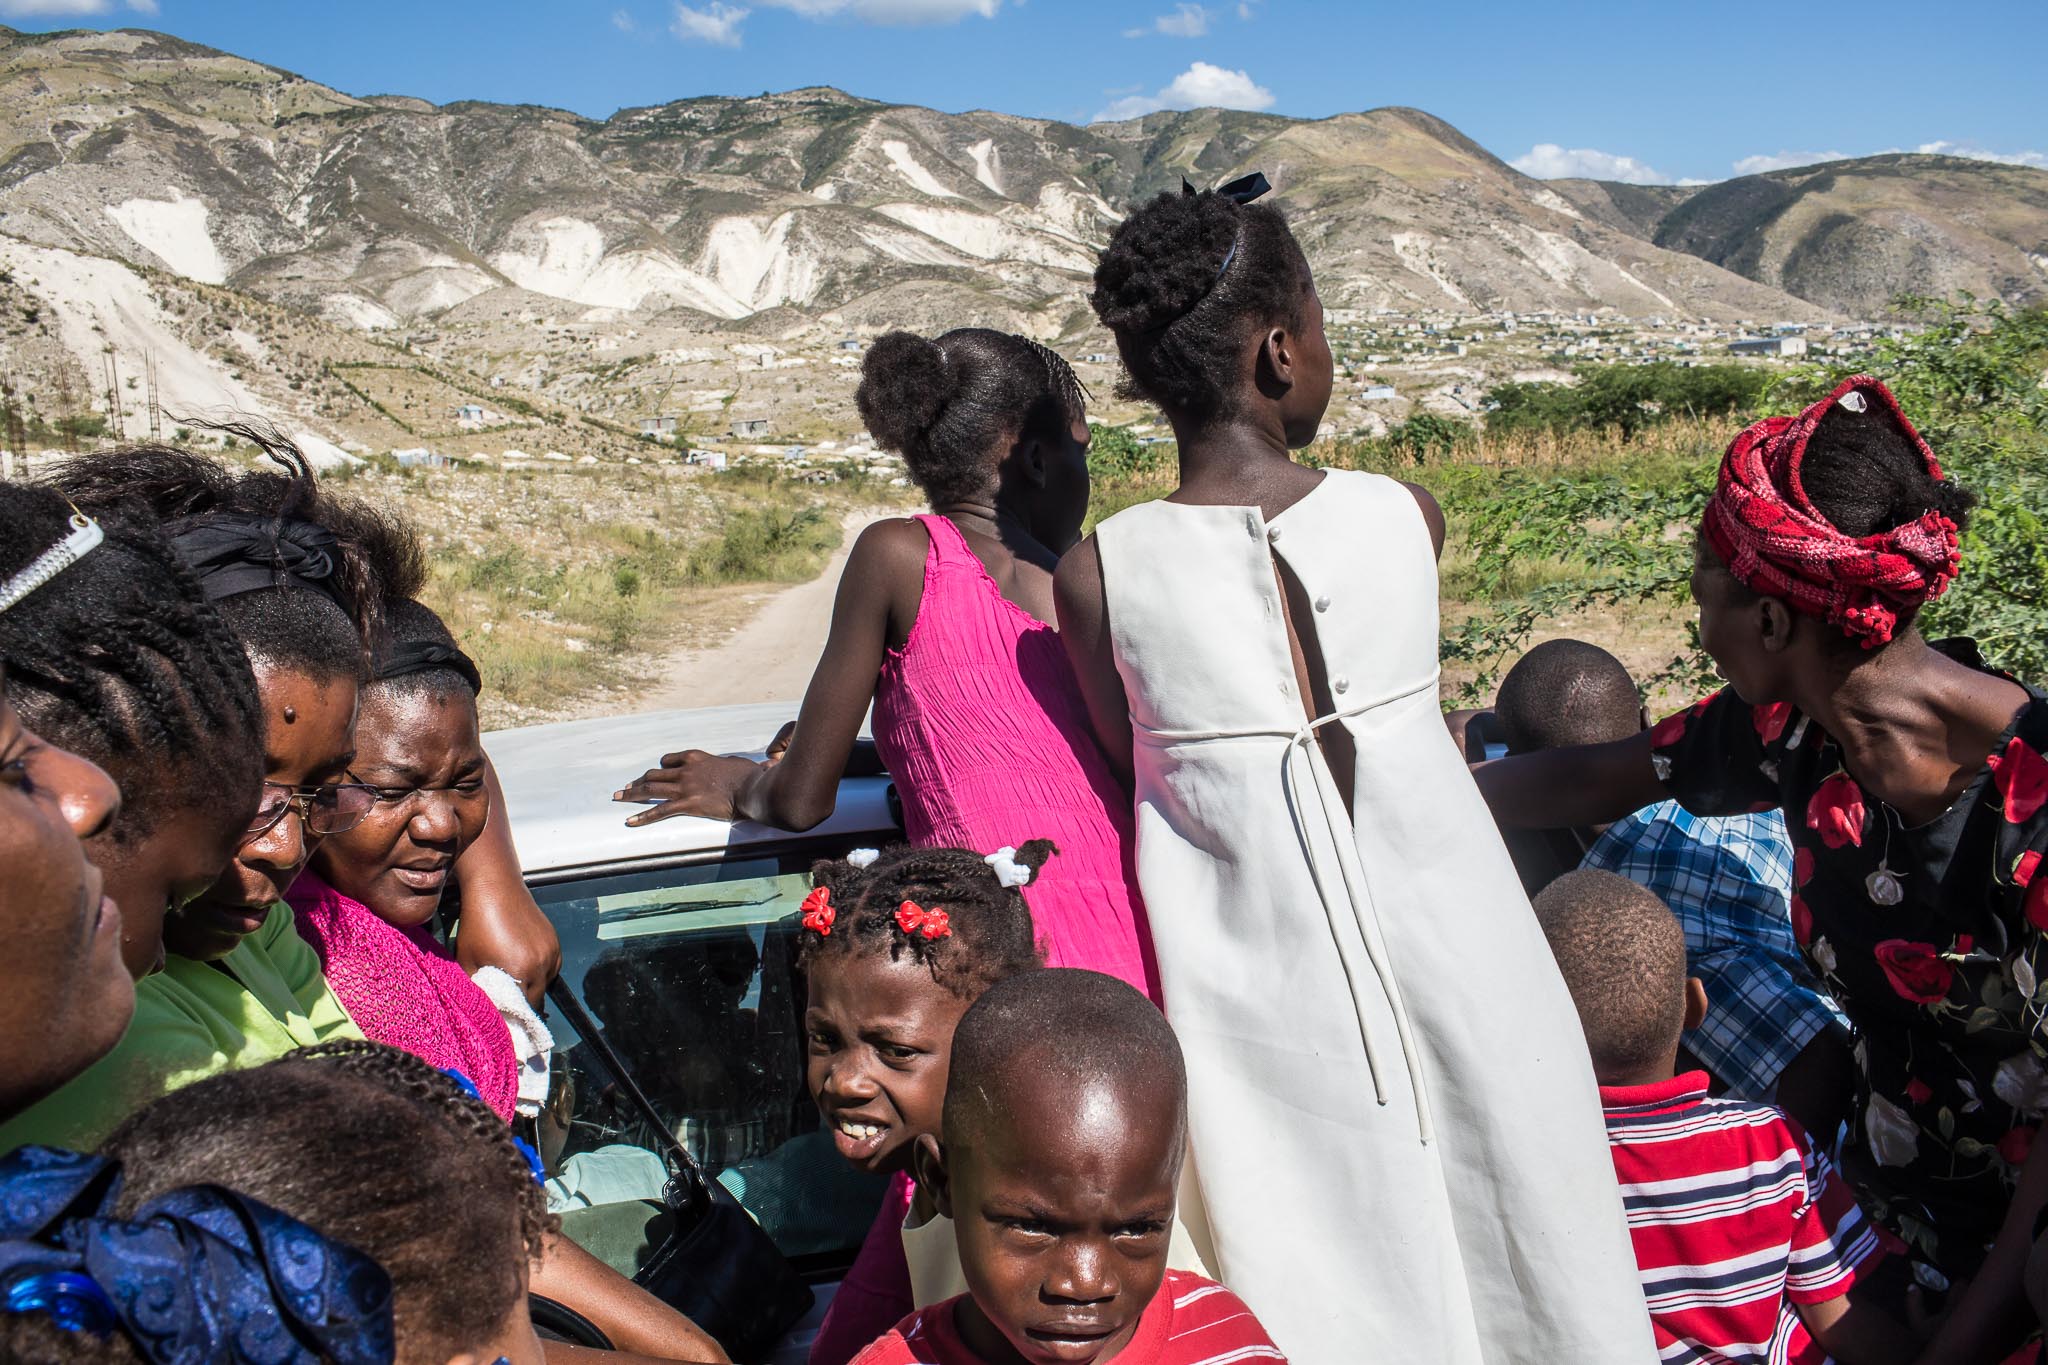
pixel 1396 1132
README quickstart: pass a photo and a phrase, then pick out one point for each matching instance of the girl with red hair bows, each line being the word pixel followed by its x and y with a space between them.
pixel 1911 775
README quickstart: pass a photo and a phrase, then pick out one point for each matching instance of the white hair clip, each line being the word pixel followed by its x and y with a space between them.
pixel 1854 401
pixel 85 535
pixel 1011 873
pixel 863 858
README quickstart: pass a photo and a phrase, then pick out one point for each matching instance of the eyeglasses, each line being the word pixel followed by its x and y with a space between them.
pixel 332 808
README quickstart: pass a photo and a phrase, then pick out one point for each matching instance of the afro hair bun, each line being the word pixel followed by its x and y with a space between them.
pixel 1162 261
pixel 906 382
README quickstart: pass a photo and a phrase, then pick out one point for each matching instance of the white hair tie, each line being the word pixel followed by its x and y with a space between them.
pixel 863 858
pixel 1011 873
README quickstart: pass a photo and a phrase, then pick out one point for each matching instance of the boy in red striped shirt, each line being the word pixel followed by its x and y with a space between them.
pixel 1748 1242
pixel 1065 1124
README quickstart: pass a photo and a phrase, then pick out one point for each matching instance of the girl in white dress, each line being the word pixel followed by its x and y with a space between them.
pixel 1394 1123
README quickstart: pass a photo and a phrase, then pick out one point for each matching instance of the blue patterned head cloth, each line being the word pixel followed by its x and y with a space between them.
pixel 200 1274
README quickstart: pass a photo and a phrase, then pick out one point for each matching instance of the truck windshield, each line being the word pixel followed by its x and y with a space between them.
pixel 688 973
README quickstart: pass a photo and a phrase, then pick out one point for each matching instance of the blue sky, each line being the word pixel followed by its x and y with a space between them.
pixel 1645 91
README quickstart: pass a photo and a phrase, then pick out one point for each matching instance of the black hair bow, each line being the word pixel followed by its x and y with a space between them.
pixel 235 553
pixel 200 1273
pixel 421 656
pixel 1242 190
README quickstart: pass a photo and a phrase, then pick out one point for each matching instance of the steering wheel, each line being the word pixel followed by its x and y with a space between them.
pixel 558 1322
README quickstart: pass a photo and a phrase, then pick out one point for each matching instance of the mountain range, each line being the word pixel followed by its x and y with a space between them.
pixel 376 212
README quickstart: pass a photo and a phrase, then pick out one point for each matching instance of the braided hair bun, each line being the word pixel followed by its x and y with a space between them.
pixel 906 382
pixel 1184 284
pixel 1152 277
pixel 953 407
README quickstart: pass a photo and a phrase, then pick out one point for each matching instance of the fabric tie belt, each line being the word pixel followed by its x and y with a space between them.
pixel 1345 898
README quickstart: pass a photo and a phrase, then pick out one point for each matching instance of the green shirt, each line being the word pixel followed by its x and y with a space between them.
pixel 192 1020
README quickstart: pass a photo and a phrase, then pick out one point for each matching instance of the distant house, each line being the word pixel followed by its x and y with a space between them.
pixel 1777 346
pixel 659 426
pixel 750 428
pixel 849 345
pixel 708 459
pixel 1096 358
pixel 470 412
pixel 1377 393
pixel 419 457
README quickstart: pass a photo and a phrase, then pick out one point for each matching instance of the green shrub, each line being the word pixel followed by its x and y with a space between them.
pixel 1972 382
pixel 1627 398
pixel 1113 452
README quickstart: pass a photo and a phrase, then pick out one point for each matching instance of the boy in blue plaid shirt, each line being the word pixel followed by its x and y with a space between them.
pixel 1770 1033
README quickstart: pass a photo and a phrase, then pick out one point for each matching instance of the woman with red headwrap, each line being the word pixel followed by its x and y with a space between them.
pixel 1912 778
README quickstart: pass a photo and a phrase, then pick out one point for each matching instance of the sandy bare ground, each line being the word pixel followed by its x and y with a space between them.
pixel 771 657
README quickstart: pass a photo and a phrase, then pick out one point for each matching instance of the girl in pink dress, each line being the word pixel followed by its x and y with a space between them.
pixel 941 623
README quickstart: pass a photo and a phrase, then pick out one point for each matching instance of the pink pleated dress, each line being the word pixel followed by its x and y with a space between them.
pixel 983 727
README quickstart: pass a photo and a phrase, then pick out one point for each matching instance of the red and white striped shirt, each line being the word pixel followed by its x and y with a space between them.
pixel 1736 1220
pixel 1190 1321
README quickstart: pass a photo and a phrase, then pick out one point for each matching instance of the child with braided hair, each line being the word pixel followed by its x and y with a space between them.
pixel 1259 653
pixel 893 948
pixel 943 623
pixel 238 986
pixel 121 658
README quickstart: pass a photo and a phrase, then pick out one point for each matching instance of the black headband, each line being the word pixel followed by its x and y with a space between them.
pixel 234 553
pixel 424 656
pixel 1242 190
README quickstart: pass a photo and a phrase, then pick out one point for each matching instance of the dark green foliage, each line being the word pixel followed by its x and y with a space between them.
pixel 1626 397
pixel 1547 545
pixel 1114 453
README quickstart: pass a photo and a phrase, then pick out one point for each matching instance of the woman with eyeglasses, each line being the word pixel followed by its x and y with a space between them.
pixel 367 905
pixel 237 986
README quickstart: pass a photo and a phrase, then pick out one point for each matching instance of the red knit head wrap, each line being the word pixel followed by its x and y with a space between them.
pixel 1777 544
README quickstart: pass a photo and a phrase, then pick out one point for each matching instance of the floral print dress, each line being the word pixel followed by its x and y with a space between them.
pixel 1930 937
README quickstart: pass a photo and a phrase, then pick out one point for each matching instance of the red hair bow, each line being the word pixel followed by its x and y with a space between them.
pixel 818 912
pixel 918 922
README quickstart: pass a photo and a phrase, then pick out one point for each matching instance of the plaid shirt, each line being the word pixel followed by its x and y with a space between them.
pixel 1729 881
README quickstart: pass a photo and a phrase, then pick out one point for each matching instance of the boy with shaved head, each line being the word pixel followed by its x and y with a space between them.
pixel 1065 1125
pixel 1748 1242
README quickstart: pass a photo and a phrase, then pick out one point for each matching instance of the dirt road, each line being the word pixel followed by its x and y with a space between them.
pixel 771 657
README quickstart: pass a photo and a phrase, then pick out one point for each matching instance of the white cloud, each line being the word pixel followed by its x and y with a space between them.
pixel 1782 161
pixel 897 12
pixel 718 23
pixel 1246 9
pixel 1186 21
pixel 43 9
pixel 622 21
pixel 1971 150
pixel 1201 86
pixel 1548 161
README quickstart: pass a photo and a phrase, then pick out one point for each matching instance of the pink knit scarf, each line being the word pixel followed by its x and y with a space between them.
pixel 404 989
